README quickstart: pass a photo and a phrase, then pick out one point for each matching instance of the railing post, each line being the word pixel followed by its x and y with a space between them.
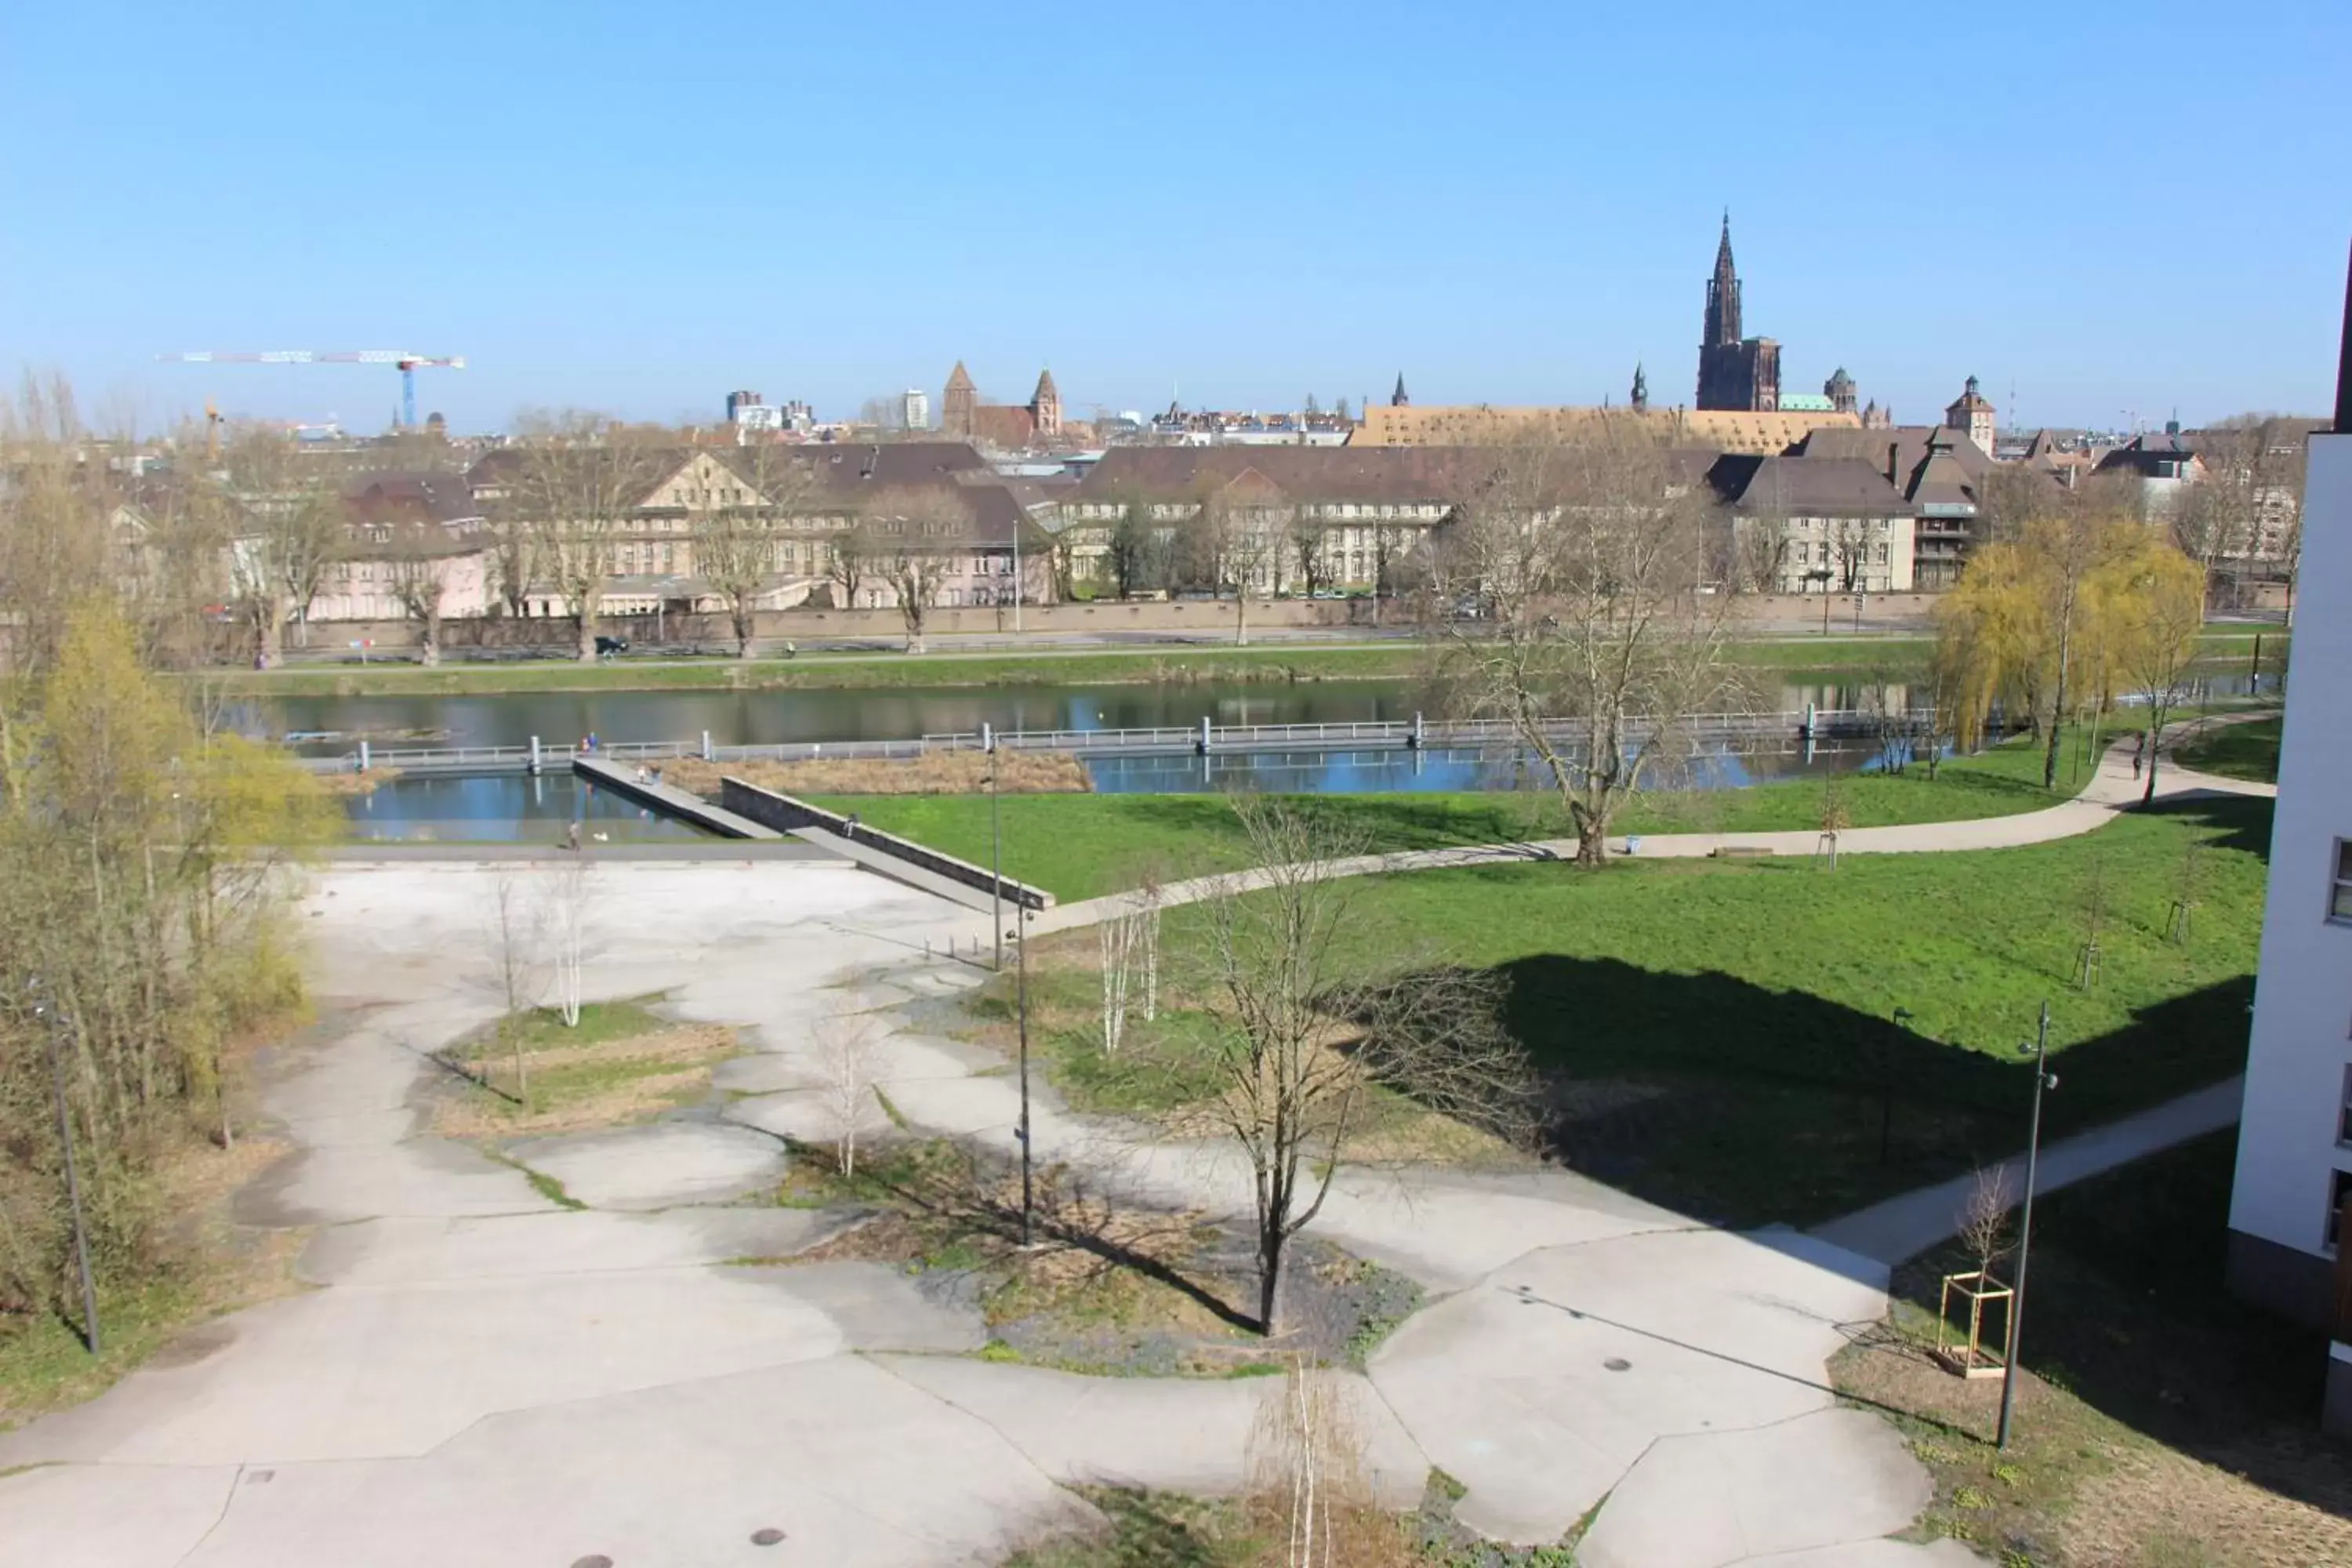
pixel 706 747
pixel 987 736
pixel 534 756
pixel 1809 721
pixel 1204 742
pixel 1419 737
pixel 363 756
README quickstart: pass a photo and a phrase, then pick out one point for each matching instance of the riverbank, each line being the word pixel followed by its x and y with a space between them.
pixel 1893 657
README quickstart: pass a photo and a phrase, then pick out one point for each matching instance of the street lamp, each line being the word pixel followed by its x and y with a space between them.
pixel 996 854
pixel 2043 1078
pixel 1021 1134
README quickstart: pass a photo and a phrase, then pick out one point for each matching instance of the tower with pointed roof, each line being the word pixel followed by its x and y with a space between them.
pixel 1398 399
pixel 957 403
pixel 1640 390
pixel 1971 412
pixel 1734 372
pixel 1840 391
pixel 1046 405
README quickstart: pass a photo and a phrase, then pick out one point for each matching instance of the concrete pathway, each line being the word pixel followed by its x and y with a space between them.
pixel 1902 1226
pixel 481 1377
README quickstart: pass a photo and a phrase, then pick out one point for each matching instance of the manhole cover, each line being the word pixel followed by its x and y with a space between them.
pixel 598 1560
pixel 1618 1364
pixel 768 1537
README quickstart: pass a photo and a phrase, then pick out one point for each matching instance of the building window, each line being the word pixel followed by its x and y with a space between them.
pixel 2339 1188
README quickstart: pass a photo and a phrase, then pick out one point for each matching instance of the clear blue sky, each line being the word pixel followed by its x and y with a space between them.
pixel 637 207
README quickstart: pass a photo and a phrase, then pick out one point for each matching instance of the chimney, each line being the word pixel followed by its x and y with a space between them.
pixel 2344 365
pixel 1894 464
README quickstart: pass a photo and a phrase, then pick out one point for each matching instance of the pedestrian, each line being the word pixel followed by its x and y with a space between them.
pixel 572 834
pixel 2139 752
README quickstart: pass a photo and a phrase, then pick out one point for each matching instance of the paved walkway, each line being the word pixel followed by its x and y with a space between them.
pixel 1902 1226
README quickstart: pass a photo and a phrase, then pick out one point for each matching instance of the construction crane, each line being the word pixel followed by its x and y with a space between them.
pixel 409 364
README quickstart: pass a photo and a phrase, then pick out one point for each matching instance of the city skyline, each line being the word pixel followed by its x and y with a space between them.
pixel 587 232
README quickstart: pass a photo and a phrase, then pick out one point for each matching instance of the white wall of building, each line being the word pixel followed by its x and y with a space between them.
pixel 2290 1144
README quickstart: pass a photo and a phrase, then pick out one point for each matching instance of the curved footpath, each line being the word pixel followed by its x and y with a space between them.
pixel 2112 789
pixel 483 1376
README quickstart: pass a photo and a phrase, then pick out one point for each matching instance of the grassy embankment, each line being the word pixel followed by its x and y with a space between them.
pixel 1079 846
pixel 1724 1034
pixel 2247 751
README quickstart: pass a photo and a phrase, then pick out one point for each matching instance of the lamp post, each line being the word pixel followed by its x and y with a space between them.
pixel 53 1021
pixel 2043 1078
pixel 1021 1134
pixel 996 857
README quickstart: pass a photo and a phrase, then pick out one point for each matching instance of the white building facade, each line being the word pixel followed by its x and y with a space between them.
pixel 2291 1207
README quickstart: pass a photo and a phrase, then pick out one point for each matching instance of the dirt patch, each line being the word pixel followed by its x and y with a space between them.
pixel 2078 1488
pixel 356 783
pixel 934 772
pixel 1109 1289
pixel 572 1088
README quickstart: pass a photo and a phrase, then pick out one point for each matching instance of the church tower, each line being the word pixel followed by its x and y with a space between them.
pixel 1971 414
pixel 1046 405
pixel 957 401
pixel 1641 391
pixel 1733 372
pixel 1840 391
pixel 1397 399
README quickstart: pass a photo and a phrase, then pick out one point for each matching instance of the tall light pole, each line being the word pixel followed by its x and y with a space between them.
pixel 46 1013
pixel 2043 1078
pixel 996 856
pixel 1021 991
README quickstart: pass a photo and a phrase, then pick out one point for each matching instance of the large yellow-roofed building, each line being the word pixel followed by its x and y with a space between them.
pixel 1483 425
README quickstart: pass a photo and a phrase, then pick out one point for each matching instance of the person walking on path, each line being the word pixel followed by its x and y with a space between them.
pixel 2139 752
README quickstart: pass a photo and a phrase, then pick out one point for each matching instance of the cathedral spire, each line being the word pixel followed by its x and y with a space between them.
pixel 1397 399
pixel 1640 390
pixel 1723 292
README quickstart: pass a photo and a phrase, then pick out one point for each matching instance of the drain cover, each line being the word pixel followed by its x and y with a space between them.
pixel 1618 1364
pixel 768 1537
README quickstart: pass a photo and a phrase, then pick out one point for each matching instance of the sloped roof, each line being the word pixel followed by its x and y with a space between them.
pixel 1806 487
pixel 396 495
pixel 959 379
pixel 1730 430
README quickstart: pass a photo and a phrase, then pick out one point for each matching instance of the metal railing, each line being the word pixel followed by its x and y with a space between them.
pixel 1816 723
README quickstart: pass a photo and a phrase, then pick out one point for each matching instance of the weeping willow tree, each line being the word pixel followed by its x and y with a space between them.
pixel 147 868
pixel 2044 624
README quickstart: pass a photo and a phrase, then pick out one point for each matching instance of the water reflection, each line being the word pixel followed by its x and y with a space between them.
pixel 1441 768
pixel 505 808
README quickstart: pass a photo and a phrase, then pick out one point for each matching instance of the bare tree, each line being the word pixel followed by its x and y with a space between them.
pixel 849 1060
pixel 420 562
pixel 1130 958
pixel 1308 542
pixel 1984 1217
pixel 285 524
pixel 569 894
pixel 576 482
pixel 851 558
pixel 921 530
pixel 1316 1504
pixel 1236 542
pixel 1308 1024
pixel 735 546
pixel 518 935
pixel 1597 643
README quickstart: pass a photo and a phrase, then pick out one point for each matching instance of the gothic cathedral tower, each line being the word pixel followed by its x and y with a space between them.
pixel 1734 372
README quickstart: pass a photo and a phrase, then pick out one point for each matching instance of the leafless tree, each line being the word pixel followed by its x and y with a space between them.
pixel 576 482
pixel 1314 1503
pixel 1130 958
pixel 1984 1217
pixel 517 922
pixel 1310 1022
pixel 853 557
pixel 735 547
pixel 570 893
pixel 1235 543
pixel 1596 642
pixel 921 530
pixel 420 560
pixel 849 1062
pixel 287 525
pixel 1309 543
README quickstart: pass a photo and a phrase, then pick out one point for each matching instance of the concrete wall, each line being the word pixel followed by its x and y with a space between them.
pixel 2289 1147
pixel 785 812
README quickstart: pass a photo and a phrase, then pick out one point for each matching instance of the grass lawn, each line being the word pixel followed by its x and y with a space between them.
pixel 1722 1034
pixel 2165 1422
pixel 620 1063
pixel 1082 845
pixel 2247 751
